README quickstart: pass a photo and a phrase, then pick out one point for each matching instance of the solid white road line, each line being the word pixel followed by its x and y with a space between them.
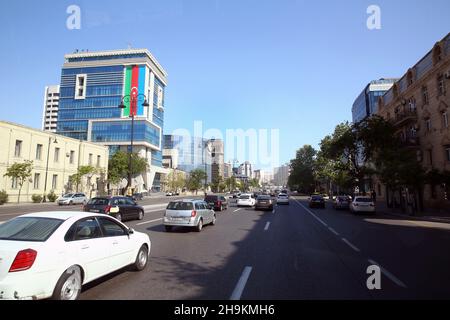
pixel 237 292
pixel 237 210
pixel 311 213
pixel 334 231
pixel 138 224
pixel 267 226
pixel 351 245
pixel 388 274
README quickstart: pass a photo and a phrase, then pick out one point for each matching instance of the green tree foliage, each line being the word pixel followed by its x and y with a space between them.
pixel 195 180
pixel 21 172
pixel 118 166
pixel 3 197
pixel 302 170
pixel 175 181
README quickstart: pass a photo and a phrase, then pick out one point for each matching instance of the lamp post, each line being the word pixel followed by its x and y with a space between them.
pixel 132 99
pixel 44 198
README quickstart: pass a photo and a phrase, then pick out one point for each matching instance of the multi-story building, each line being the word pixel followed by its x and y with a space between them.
pixel 227 170
pixel 55 158
pixel 418 105
pixel 91 89
pixel 245 169
pixel 51 105
pixel 217 159
pixel 367 102
pixel 281 175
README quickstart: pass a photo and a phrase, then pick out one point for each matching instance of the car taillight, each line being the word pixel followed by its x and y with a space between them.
pixel 372 205
pixel 193 213
pixel 218 203
pixel 107 209
pixel 24 260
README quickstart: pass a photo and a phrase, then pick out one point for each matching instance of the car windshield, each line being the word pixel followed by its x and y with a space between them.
pixel 180 205
pixel 99 201
pixel 244 197
pixel 68 195
pixel 29 229
pixel 363 200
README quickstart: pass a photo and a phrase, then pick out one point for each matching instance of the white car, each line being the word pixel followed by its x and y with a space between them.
pixel 246 200
pixel 283 198
pixel 362 204
pixel 53 254
pixel 73 198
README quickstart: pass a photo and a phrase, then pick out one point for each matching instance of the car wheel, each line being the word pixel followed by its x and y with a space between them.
pixel 70 202
pixel 199 226
pixel 213 222
pixel 119 217
pixel 141 259
pixel 69 285
pixel 168 228
pixel 141 215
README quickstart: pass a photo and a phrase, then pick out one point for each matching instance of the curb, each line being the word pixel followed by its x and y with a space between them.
pixel 419 218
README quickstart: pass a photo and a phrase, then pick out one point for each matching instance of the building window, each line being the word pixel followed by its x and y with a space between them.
pixel 80 86
pixel 56 156
pixel 379 189
pixel 39 152
pixel 98 161
pixel 447 153
pixel 54 181
pixel 430 157
pixel 72 157
pixel 425 95
pixel 18 149
pixel 412 104
pixel 90 159
pixel 441 85
pixel 37 177
pixel 445 119
pixel 428 124
pixel 14 184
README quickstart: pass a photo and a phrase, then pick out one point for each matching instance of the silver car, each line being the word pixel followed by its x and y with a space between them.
pixel 73 198
pixel 188 213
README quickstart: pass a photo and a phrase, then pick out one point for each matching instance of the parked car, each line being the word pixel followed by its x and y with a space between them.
pixel 264 202
pixel 169 194
pixel 217 202
pixel 362 204
pixel 246 200
pixel 62 251
pixel 316 200
pixel 282 198
pixel 341 202
pixel 73 198
pixel 121 208
pixel 188 213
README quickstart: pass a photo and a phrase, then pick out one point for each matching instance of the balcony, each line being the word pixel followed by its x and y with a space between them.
pixel 401 118
pixel 410 142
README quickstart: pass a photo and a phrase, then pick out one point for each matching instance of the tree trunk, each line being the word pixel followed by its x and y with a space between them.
pixel 18 197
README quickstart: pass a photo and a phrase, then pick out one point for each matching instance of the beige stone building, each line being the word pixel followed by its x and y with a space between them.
pixel 54 157
pixel 419 106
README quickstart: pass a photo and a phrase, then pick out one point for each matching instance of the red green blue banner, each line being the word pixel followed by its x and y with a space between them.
pixel 134 85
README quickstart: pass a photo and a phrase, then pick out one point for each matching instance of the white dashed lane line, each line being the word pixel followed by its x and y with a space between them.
pixel 237 292
pixel 351 245
pixel 388 274
pixel 333 231
pixel 267 226
pixel 311 213
pixel 146 222
pixel 237 210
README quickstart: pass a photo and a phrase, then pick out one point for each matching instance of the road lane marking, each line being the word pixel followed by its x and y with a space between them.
pixel 138 224
pixel 237 292
pixel 310 212
pixel 351 245
pixel 388 274
pixel 267 226
pixel 334 231
pixel 273 211
pixel 237 210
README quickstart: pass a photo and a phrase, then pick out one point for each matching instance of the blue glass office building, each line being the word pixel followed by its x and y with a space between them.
pixel 92 86
pixel 367 102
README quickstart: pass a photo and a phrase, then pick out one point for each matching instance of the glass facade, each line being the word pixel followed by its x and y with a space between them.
pixel 120 131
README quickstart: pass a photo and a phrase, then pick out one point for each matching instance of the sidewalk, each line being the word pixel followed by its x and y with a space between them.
pixel 435 216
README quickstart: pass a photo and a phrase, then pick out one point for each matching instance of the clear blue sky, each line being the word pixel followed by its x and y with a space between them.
pixel 292 65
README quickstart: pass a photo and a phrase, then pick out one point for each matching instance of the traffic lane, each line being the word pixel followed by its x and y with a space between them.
pixel 10 212
pixel 294 258
pixel 183 264
pixel 414 252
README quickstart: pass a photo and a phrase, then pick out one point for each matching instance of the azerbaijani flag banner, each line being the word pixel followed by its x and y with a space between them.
pixel 134 85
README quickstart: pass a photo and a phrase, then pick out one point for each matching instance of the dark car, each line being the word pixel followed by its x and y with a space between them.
pixel 264 202
pixel 217 202
pixel 342 202
pixel 121 208
pixel 316 201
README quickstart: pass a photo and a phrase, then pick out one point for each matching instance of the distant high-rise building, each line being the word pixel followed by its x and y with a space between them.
pixel 217 158
pixel 245 169
pixel 281 175
pixel 367 102
pixel 51 105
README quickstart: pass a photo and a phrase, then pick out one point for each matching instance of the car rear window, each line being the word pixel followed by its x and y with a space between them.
pixel 211 198
pixel 363 200
pixel 316 197
pixel 99 201
pixel 342 198
pixel 180 205
pixel 263 198
pixel 282 196
pixel 244 197
pixel 29 229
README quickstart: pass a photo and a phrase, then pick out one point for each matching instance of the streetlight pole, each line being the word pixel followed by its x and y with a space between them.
pixel 132 99
pixel 44 199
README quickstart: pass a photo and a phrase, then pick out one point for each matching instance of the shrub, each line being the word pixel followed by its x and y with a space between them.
pixel 36 198
pixel 3 197
pixel 52 196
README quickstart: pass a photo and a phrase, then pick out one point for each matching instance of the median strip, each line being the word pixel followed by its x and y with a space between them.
pixel 388 274
pixel 237 292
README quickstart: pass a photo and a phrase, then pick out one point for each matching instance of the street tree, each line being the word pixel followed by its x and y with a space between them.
pixel 118 167
pixel 302 170
pixel 20 172
pixel 195 180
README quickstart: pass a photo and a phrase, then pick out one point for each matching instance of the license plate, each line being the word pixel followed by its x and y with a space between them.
pixel 94 210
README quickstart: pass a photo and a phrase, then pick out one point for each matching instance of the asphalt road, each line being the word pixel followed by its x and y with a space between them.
pixel 291 253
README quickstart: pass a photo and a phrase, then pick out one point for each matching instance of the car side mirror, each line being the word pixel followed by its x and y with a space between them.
pixel 130 231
